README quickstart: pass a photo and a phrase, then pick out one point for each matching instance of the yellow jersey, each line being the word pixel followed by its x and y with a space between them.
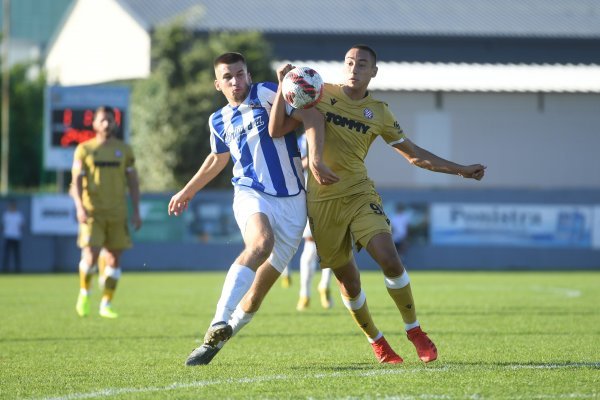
pixel 351 126
pixel 104 169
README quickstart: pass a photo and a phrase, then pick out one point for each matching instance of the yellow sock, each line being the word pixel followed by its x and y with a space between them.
pixel 111 277
pixel 360 313
pixel 85 276
pixel 101 263
pixel 109 290
pixel 400 291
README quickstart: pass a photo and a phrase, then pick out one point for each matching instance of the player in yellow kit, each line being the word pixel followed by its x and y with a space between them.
pixel 103 169
pixel 350 212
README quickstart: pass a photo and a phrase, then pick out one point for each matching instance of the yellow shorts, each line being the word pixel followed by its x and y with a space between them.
pixel 337 224
pixel 109 232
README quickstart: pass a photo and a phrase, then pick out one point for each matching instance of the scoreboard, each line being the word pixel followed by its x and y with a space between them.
pixel 69 113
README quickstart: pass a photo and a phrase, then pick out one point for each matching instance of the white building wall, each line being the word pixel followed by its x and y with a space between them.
pixel 526 140
pixel 100 42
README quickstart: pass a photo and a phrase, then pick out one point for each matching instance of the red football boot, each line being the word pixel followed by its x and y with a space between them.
pixel 426 350
pixel 384 353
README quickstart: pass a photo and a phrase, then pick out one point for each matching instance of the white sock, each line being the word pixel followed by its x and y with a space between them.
pixel 85 268
pixel 237 282
pixel 84 292
pixel 104 303
pixel 325 278
pixel 239 319
pixel 376 338
pixel 410 326
pixel 308 265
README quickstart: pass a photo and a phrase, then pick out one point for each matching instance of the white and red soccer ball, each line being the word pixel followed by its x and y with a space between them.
pixel 302 87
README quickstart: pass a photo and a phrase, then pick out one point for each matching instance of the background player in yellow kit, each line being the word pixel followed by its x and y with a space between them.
pixel 103 169
pixel 350 211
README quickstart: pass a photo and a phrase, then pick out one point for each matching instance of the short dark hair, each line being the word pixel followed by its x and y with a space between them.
pixel 229 58
pixel 105 109
pixel 366 48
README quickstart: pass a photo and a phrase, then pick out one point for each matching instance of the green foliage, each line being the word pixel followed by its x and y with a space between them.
pixel 26 128
pixel 500 335
pixel 170 109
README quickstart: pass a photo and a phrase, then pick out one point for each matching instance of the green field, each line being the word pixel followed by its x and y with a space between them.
pixel 500 336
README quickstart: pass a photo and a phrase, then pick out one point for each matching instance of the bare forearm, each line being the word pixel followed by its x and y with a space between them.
pixel 278 120
pixel 76 192
pixel 315 134
pixel 211 167
pixel 427 160
pixel 314 125
pixel 134 191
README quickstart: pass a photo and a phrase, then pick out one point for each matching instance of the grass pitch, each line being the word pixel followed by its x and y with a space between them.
pixel 500 336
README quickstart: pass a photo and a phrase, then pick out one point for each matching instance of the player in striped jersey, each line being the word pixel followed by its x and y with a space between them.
pixel 269 197
pixel 350 212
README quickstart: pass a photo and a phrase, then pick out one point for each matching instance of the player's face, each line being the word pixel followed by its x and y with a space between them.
pixel 104 123
pixel 234 81
pixel 359 68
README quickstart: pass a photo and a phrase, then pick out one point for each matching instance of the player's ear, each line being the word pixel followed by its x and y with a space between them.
pixel 217 86
pixel 374 74
pixel 249 78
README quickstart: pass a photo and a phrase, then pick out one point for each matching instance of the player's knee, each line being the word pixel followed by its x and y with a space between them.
pixel 111 272
pixel 350 287
pixel 390 264
pixel 261 249
pixel 86 268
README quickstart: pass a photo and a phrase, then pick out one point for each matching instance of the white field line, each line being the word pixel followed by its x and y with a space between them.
pixel 567 292
pixel 109 392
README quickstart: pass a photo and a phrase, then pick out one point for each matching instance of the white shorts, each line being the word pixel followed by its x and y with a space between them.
pixel 287 216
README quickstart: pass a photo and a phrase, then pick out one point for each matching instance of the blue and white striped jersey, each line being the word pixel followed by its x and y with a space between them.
pixel 302 146
pixel 269 165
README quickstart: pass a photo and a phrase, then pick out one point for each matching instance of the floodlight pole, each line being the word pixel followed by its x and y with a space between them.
pixel 5 97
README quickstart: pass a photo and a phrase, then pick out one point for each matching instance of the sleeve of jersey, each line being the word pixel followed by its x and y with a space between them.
pixel 266 95
pixel 392 132
pixel 217 145
pixel 78 157
pixel 130 159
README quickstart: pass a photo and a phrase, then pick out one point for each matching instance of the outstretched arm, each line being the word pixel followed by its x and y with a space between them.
pixel 212 165
pixel 427 160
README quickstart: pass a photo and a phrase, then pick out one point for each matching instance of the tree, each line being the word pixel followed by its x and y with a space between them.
pixel 26 127
pixel 170 109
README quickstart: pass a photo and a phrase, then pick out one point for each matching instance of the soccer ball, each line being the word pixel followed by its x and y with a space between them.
pixel 302 87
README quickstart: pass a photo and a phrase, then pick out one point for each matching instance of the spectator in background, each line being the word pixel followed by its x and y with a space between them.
pixel 12 228
pixel 103 169
pixel 400 221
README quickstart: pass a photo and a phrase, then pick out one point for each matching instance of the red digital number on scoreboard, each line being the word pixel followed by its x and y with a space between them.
pixel 71 126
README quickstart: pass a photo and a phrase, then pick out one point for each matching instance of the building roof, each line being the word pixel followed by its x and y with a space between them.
pixel 35 20
pixel 471 77
pixel 478 18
